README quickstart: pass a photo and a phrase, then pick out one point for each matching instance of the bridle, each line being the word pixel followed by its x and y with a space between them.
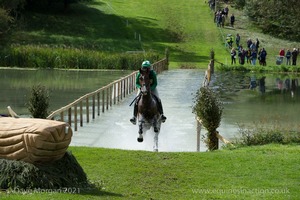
pixel 145 87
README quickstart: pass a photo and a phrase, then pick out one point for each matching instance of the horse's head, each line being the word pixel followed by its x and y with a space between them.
pixel 145 81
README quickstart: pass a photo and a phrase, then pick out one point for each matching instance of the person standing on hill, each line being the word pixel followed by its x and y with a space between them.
pixel 233 55
pixel 294 56
pixel 253 57
pixel 263 57
pixel 232 20
pixel 237 39
pixel 257 44
pixel 281 54
pixel 226 11
pixel 288 56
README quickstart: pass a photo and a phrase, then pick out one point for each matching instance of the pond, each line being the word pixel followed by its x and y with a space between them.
pixel 64 86
pixel 249 98
pixel 259 99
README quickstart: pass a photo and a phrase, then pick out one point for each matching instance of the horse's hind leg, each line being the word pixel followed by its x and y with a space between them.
pixel 155 126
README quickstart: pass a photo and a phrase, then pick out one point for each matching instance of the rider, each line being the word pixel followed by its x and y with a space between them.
pixel 146 65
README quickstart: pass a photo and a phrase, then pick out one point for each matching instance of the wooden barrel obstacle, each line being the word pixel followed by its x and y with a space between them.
pixel 33 140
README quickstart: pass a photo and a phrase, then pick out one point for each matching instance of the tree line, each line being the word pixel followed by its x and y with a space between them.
pixel 280 18
pixel 11 10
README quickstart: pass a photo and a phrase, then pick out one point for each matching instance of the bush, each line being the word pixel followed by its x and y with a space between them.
pixel 209 109
pixel 262 136
pixel 29 56
pixel 19 175
pixel 39 102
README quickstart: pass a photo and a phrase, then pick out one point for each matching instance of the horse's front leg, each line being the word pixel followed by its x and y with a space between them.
pixel 155 147
pixel 155 126
pixel 140 138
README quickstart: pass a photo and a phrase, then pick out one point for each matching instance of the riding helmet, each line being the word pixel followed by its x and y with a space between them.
pixel 146 64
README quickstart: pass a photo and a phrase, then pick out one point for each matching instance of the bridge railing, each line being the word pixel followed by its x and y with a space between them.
pixel 92 104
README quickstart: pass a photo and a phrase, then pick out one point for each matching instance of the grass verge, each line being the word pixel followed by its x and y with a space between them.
pixel 262 172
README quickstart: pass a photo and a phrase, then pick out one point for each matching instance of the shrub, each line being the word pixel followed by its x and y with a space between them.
pixel 19 175
pixel 209 109
pixel 39 102
pixel 264 135
pixel 29 56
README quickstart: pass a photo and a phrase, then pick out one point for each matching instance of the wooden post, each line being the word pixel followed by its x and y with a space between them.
pixel 199 125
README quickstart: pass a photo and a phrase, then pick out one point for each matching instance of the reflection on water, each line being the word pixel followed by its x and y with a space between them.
pixel 65 86
pixel 259 99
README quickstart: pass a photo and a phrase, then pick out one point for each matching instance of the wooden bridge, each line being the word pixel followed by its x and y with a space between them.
pixel 92 104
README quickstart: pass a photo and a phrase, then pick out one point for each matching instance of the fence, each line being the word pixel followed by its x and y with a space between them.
pixel 94 103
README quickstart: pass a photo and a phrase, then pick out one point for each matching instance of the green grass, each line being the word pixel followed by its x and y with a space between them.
pixel 114 26
pixel 263 172
pixel 186 28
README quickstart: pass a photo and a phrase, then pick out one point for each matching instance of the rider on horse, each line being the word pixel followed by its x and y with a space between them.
pixel 146 66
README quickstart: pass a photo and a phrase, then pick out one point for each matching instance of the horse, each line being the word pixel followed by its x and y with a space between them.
pixel 148 112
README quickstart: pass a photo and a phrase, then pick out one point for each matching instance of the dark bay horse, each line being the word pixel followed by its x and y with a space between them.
pixel 148 113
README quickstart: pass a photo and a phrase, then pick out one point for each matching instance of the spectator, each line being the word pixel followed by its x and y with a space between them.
pixel 281 54
pixel 249 42
pixel 263 57
pixel 226 11
pixel 229 40
pixel 233 55
pixel 253 57
pixel 288 57
pixel 223 20
pixel 237 40
pixel 257 44
pixel 294 56
pixel 232 20
pixel 248 56
pixel 253 47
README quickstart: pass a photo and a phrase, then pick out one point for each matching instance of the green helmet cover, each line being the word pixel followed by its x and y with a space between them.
pixel 146 64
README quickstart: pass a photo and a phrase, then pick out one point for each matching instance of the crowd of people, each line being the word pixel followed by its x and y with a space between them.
pixel 289 56
pixel 252 52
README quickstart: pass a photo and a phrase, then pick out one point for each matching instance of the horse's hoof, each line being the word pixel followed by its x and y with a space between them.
pixel 155 150
pixel 140 139
pixel 156 129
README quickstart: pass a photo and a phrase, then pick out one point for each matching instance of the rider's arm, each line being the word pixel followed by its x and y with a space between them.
pixel 154 80
pixel 137 80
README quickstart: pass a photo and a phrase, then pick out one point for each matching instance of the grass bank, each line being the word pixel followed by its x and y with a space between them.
pixel 117 27
pixel 261 172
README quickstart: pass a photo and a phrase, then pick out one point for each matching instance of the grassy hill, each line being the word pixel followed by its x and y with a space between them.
pixel 185 28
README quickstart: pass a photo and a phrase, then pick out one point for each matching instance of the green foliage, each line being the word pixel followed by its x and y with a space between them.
pixel 240 4
pixel 5 20
pixel 209 109
pixel 262 69
pixel 276 17
pixel 65 172
pixel 57 57
pixel 262 136
pixel 39 102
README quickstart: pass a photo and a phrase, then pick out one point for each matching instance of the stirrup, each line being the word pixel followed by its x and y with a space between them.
pixel 133 120
pixel 163 118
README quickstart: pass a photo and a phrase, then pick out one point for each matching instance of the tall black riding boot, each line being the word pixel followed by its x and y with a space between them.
pixel 133 119
pixel 161 111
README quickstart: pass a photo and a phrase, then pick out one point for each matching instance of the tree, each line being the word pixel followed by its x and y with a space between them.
pixel 276 17
pixel 9 10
